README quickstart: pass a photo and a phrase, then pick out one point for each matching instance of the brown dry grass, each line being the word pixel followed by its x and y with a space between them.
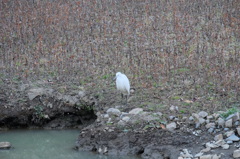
pixel 183 52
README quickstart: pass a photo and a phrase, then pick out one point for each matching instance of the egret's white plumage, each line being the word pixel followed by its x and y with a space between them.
pixel 122 83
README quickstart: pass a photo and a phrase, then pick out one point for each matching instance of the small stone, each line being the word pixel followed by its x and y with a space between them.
pixel 32 93
pixel 238 130
pixel 225 146
pixel 158 114
pixel 228 123
pixel 226 129
pixel 211 145
pixel 201 120
pixel 203 114
pixel 206 157
pixel 220 143
pixel 123 114
pixel 229 142
pixel 173 108
pixel 5 145
pixel 229 133
pixel 186 154
pixel 211 130
pixel 216 115
pixel 236 153
pixel 233 137
pixel 105 116
pixel 230 116
pixel 207 149
pixel 81 94
pixel 199 154
pixel 207 121
pixel 171 126
pixel 236 116
pixel 218 137
pixel 113 112
pixel 136 111
pixel 236 123
pixel 209 117
pixel 210 125
pixel 126 118
pixel 191 118
pixel 180 157
pixel 216 156
pixel 176 119
pixel 184 118
pixel 221 122
pixel 171 117
pixel 197 125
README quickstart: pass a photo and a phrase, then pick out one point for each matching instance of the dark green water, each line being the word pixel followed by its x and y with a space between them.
pixel 45 144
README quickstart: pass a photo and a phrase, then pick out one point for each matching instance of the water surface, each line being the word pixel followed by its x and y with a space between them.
pixel 45 144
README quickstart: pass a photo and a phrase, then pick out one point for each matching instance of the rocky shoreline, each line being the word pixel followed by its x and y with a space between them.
pixel 120 129
pixel 151 135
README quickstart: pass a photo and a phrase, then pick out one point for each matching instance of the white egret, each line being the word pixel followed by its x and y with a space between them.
pixel 123 84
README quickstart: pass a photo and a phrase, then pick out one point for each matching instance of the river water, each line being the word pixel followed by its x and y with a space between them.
pixel 46 144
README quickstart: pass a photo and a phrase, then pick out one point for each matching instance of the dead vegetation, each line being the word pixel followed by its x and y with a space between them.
pixel 183 52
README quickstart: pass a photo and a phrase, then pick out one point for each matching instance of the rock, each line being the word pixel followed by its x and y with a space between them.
pixel 184 118
pixel 233 137
pixel 229 142
pixel 171 126
pixel 197 125
pixel 229 133
pixel 136 111
pixel 206 157
pixel 201 120
pixel 230 117
pixel 180 157
pixel 198 155
pixel 81 94
pixel 218 137
pixel 191 118
pixel 5 145
pixel 221 122
pixel 238 131
pixel 123 114
pixel 105 116
pixel 211 145
pixel 216 115
pixel 171 117
pixel 158 114
pixel 216 156
pixel 226 129
pixel 33 93
pixel 210 117
pixel 219 143
pixel 225 146
pixel 228 123
pixel 72 100
pixel 236 117
pixel 210 125
pixel 207 149
pixel 236 123
pixel 186 154
pixel 211 130
pixel 236 153
pixel 113 112
pixel 126 118
pixel 173 108
pixel 203 114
